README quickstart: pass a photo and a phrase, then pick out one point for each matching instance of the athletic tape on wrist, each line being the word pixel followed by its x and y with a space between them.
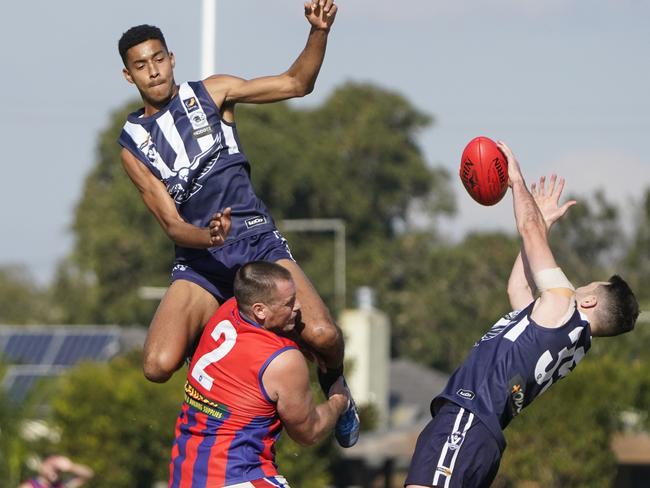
pixel 551 278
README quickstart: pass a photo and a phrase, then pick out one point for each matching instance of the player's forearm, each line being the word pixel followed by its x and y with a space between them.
pixel 188 235
pixel 322 421
pixel 306 67
pixel 521 287
pixel 527 215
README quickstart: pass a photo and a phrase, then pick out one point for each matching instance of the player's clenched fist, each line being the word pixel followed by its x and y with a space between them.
pixel 321 13
pixel 220 226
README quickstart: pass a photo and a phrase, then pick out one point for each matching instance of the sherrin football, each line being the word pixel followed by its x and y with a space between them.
pixel 484 171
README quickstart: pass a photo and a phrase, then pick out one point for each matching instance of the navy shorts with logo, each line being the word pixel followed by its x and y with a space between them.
pixel 215 272
pixel 454 450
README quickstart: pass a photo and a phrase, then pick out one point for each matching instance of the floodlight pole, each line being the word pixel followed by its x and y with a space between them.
pixel 326 225
pixel 208 37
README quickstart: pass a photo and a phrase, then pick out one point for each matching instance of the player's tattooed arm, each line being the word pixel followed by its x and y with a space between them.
pixel 160 204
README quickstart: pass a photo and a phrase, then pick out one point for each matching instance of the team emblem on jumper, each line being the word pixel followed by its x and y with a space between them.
pixel 186 181
pixel 499 327
pixel 191 104
pixel 200 124
pixel 455 440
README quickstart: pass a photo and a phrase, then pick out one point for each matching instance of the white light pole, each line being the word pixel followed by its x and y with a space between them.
pixel 326 225
pixel 208 37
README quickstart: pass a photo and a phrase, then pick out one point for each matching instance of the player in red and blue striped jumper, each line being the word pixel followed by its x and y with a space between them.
pixel 247 381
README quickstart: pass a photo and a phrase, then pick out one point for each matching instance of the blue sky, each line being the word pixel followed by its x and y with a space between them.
pixel 565 83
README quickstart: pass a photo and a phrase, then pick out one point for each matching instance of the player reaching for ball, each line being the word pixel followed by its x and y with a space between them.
pixel 523 354
pixel 182 152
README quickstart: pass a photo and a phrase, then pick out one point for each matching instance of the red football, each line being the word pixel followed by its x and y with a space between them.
pixel 484 171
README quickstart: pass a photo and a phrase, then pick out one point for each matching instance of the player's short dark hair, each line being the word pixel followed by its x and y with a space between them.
pixel 255 282
pixel 620 310
pixel 136 35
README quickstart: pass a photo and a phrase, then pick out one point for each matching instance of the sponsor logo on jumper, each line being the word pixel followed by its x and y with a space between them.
pixel 466 394
pixel 444 470
pixel 255 221
pixel 517 395
pixel 455 440
pixel 202 131
pixel 191 104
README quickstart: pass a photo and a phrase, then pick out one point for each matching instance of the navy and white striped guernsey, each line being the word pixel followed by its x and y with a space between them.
pixel 197 155
pixel 512 364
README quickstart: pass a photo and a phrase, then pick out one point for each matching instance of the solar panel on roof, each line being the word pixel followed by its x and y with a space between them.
pixel 26 348
pixel 21 383
pixel 35 352
pixel 81 347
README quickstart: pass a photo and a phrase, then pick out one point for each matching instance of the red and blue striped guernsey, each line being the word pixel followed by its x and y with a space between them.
pixel 228 425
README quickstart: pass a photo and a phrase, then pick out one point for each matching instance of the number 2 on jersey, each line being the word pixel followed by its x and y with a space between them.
pixel 223 328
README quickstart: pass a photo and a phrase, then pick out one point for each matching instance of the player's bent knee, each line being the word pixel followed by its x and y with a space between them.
pixel 157 369
pixel 325 338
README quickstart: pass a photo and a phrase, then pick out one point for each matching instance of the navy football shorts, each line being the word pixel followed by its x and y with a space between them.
pixel 454 450
pixel 216 271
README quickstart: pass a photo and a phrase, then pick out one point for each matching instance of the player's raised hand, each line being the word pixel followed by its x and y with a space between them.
pixel 220 226
pixel 514 171
pixel 548 199
pixel 321 13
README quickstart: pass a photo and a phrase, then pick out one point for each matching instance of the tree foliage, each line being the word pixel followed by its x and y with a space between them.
pixel 12 446
pixel 21 301
pixel 112 419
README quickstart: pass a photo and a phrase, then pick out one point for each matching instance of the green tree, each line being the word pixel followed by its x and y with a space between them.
pixel 443 298
pixel 589 240
pixel 636 262
pixel 21 301
pixel 115 421
pixel 12 447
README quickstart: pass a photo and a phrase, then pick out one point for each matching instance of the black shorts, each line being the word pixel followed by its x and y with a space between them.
pixel 216 272
pixel 454 450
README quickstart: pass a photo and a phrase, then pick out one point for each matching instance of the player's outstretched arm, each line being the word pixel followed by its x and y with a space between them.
pixel 297 81
pixel 521 285
pixel 286 381
pixel 161 205
pixel 554 301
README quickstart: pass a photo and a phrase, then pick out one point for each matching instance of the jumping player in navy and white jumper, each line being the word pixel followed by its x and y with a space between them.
pixel 523 354
pixel 182 152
